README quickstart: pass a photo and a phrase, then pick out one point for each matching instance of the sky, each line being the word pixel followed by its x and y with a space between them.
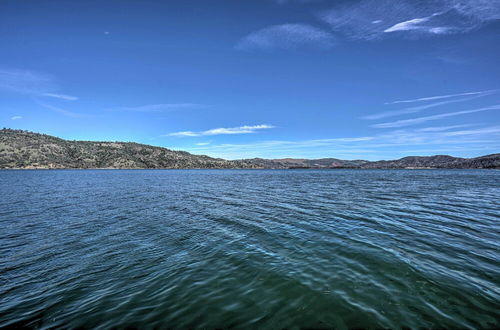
pixel 349 79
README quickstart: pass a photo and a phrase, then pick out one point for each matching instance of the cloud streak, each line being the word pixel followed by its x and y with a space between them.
pixel 412 24
pixel 16 117
pixel 416 24
pixel 365 147
pixel 375 19
pixel 416 109
pixel 61 96
pixel 443 128
pixel 415 121
pixel 31 83
pixel 419 108
pixel 161 107
pixel 282 2
pixel 60 110
pixel 222 131
pixel 287 36
pixel 439 97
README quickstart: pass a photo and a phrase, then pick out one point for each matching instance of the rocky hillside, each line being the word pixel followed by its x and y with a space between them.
pixel 22 149
pixel 306 163
pixel 439 161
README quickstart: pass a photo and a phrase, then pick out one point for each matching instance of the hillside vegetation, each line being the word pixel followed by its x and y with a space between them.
pixel 23 149
pixel 413 162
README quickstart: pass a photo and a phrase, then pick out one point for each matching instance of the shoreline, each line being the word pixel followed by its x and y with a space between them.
pixel 253 169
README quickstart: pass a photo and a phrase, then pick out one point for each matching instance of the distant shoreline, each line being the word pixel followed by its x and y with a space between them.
pixel 243 169
pixel 27 150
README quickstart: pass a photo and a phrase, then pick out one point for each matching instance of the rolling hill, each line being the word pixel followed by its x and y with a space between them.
pixel 28 150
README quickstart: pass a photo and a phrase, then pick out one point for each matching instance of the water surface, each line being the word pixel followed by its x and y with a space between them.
pixel 250 248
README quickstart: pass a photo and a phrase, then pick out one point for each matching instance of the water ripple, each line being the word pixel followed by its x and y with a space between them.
pixel 250 249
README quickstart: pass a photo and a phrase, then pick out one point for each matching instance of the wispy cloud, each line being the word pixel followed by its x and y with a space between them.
pixel 60 110
pixel 364 147
pixel 161 107
pixel 287 36
pixel 31 83
pixel 16 117
pixel 416 109
pixel 415 121
pixel 443 128
pixel 25 82
pixel 222 131
pixel 417 24
pixel 432 98
pixel 282 2
pixel 485 130
pixel 412 24
pixel 373 19
pixel 61 96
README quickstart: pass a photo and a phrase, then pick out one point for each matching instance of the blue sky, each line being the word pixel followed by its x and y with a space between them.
pixel 370 79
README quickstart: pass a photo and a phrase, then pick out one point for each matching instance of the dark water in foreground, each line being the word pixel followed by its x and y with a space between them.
pixel 247 249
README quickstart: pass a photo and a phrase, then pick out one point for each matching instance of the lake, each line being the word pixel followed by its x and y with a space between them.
pixel 250 248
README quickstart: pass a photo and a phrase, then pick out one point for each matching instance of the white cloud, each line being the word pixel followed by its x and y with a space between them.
pixel 287 36
pixel 350 139
pixel 440 30
pixel 161 107
pixel 365 147
pixel 431 98
pixel 355 19
pixel 485 130
pixel 203 144
pixel 222 131
pixel 282 2
pixel 25 82
pixel 61 96
pixel 413 24
pixel 30 83
pixel 16 117
pixel 442 128
pixel 59 110
pixel 415 121
pixel 416 109
pixel 184 134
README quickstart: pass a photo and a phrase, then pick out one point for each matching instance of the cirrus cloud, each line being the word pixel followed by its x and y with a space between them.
pixel 246 129
pixel 31 83
pixel 372 19
pixel 160 107
pixel 420 120
pixel 287 36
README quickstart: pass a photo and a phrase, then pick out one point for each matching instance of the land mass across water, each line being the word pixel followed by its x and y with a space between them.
pixel 21 149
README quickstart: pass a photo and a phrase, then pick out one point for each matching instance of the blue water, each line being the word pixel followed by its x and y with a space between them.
pixel 250 248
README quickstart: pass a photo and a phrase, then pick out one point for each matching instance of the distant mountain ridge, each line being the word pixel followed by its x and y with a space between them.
pixel 26 150
pixel 412 162
pixel 307 163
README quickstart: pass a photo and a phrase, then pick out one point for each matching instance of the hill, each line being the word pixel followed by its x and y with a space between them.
pixel 439 161
pixel 412 162
pixel 23 149
pixel 306 163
